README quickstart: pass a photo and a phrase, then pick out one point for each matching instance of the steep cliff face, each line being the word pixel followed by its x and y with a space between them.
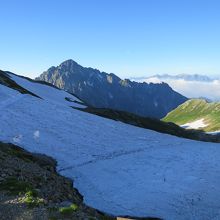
pixel 103 90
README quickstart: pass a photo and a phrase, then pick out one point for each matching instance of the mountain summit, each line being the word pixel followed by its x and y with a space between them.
pixel 103 90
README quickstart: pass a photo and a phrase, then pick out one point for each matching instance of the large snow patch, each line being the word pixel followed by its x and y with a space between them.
pixel 118 168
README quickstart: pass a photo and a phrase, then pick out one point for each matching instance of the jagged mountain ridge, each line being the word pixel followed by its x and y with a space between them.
pixel 207 87
pixel 103 90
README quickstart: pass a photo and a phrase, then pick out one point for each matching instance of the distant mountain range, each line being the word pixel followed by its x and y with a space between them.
pixel 187 77
pixel 103 90
pixel 191 86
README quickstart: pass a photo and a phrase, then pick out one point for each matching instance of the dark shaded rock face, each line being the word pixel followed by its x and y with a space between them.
pixel 102 90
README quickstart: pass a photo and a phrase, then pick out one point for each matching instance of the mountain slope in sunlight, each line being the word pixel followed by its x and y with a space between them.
pixel 198 111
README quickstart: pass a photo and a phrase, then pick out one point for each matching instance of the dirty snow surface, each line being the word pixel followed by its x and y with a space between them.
pixel 195 124
pixel 118 168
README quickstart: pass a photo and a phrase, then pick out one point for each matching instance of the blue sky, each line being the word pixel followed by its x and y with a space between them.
pixel 126 37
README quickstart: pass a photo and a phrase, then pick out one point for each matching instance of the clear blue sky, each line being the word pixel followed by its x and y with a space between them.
pixel 127 37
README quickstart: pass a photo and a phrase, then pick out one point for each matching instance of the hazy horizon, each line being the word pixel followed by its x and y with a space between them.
pixel 129 38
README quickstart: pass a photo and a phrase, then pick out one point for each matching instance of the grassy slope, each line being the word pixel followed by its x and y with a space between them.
pixel 196 109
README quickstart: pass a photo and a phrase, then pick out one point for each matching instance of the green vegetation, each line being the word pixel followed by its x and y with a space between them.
pixel 196 109
pixel 32 200
pixel 68 210
pixel 15 187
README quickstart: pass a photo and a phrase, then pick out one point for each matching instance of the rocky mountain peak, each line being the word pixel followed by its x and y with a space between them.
pixel 103 90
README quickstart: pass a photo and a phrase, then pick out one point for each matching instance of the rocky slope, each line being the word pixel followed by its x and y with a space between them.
pixel 30 188
pixel 103 90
